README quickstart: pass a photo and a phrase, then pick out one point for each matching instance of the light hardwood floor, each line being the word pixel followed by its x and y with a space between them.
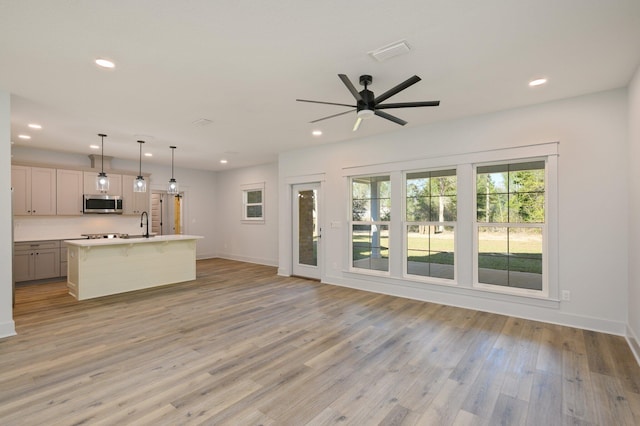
pixel 242 346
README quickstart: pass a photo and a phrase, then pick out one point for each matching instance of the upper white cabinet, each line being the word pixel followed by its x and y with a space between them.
pixel 115 183
pixel 34 190
pixel 69 192
pixel 133 202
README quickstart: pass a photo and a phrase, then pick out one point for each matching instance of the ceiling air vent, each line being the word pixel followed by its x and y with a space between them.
pixel 389 51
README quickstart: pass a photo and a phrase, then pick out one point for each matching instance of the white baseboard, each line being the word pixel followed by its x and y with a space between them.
pixel 7 329
pixel 634 343
pixel 259 261
pixel 205 256
pixel 544 311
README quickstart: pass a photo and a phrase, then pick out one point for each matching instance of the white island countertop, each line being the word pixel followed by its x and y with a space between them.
pixel 136 240
pixel 105 266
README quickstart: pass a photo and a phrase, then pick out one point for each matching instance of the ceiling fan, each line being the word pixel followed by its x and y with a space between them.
pixel 368 104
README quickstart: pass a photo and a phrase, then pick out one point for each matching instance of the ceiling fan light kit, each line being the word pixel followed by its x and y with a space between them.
pixel 367 104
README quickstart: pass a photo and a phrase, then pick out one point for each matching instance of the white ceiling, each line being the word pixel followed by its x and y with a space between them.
pixel 242 64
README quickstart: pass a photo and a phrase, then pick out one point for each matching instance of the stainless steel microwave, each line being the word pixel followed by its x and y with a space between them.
pixel 102 204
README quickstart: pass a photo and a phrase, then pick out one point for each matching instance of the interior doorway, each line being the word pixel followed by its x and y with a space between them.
pixel 306 232
pixel 167 213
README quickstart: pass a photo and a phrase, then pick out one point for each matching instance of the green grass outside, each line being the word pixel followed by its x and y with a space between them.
pixel 525 254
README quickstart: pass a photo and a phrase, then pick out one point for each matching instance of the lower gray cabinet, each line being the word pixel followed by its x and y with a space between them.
pixel 36 260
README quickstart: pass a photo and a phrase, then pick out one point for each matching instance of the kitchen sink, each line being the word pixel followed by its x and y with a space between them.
pixel 130 236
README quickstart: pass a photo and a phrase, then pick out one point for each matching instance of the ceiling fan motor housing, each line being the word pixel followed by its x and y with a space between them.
pixel 367 100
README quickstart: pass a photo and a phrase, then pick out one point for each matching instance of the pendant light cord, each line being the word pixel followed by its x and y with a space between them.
pixel 102 136
pixel 173 150
pixel 140 169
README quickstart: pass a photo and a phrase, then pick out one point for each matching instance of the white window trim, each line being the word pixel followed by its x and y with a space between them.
pixel 465 246
pixel 545 292
pixel 250 188
pixel 351 222
pixel 405 224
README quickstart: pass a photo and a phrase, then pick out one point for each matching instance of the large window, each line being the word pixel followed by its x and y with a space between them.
pixel 430 215
pixel 485 222
pixel 370 217
pixel 510 218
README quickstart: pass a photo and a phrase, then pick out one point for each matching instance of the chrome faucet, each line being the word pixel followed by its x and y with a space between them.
pixel 146 234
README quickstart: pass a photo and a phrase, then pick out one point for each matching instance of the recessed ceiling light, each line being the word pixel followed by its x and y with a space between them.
pixel 24 136
pixel 35 126
pixel 105 63
pixel 94 146
pixel 223 161
pixel 148 154
pixel 537 82
pixel 317 133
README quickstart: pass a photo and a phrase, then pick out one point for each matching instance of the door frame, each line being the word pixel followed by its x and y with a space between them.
pixel 298 269
pixel 285 257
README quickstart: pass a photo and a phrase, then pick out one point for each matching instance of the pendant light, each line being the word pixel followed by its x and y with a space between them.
pixel 102 181
pixel 173 185
pixel 139 185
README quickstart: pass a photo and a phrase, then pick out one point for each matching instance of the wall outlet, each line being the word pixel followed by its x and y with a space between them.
pixel 566 295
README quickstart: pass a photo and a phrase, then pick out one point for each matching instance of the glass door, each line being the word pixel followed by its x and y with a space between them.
pixel 306 233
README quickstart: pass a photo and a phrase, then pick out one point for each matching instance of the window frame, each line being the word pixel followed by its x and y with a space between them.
pixel 405 231
pixel 245 190
pixel 466 233
pixel 496 288
pixel 352 222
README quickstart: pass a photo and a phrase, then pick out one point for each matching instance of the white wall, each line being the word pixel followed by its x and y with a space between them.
pixel 7 327
pixel 199 201
pixel 634 214
pixel 250 242
pixel 592 132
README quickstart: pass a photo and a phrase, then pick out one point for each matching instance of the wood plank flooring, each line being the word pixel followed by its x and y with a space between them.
pixel 242 346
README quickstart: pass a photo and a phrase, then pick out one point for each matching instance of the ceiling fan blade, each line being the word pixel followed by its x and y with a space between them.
pixel 390 117
pixel 400 87
pixel 356 126
pixel 409 105
pixel 350 86
pixel 325 103
pixel 331 116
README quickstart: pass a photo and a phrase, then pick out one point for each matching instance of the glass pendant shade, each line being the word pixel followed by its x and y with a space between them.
pixel 172 188
pixel 102 180
pixel 140 185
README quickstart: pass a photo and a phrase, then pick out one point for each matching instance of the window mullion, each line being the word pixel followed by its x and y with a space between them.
pixel 465 230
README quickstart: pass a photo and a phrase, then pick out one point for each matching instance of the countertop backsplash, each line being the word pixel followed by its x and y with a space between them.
pixel 38 228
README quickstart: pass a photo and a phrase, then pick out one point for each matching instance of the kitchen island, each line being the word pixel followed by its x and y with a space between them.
pixel 100 267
